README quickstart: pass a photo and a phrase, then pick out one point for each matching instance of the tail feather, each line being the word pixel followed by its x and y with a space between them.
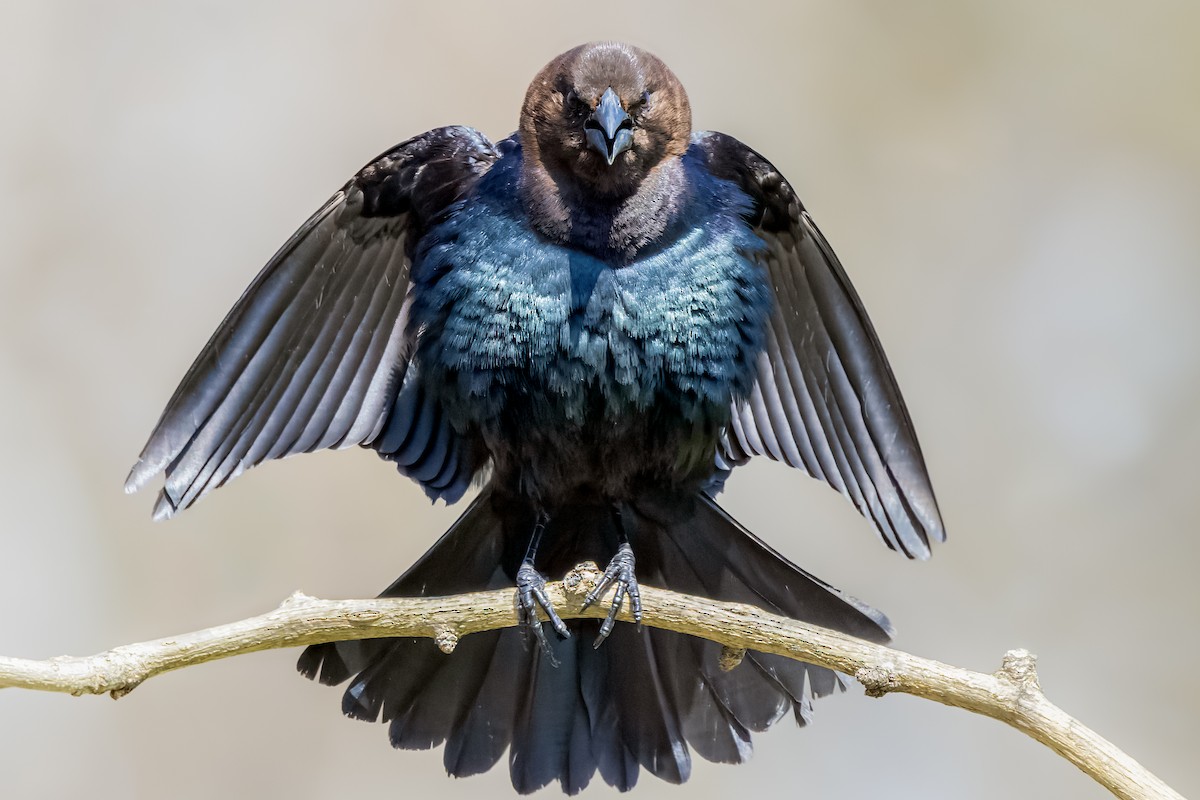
pixel 731 563
pixel 375 692
pixel 466 558
pixel 581 755
pixel 648 716
pixel 709 726
pixel 753 702
pixel 482 735
pixel 546 723
pixel 435 706
pixel 641 701
pixel 617 765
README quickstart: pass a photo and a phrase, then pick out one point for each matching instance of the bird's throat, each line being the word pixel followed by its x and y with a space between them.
pixel 621 224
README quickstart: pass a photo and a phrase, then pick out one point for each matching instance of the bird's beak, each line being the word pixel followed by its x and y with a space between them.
pixel 610 128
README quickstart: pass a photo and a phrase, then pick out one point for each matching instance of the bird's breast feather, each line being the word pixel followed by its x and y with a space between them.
pixel 499 306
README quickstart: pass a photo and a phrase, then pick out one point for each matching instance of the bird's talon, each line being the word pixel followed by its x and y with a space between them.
pixel 635 602
pixel 620 571
pixel 598 590
pixel 531 595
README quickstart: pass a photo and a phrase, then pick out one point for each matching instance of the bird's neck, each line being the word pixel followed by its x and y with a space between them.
pixel 566 210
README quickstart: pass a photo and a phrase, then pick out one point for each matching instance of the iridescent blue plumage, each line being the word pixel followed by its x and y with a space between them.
pixel 514 330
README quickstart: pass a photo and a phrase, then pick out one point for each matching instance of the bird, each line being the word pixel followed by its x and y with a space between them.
pixel 593 322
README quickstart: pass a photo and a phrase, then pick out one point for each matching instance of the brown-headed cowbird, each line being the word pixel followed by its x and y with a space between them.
pixel 598 318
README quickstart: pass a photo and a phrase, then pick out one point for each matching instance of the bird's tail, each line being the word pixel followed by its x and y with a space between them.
pixel 644 699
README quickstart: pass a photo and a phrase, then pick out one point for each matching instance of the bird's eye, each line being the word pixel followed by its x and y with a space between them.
pixel 573 102
pixel 639 105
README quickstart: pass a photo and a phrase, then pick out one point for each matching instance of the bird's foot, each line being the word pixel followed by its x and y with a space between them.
pixel 531 595
pixel 620 572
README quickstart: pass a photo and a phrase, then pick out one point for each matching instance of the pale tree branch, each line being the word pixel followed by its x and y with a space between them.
pixel 1011 695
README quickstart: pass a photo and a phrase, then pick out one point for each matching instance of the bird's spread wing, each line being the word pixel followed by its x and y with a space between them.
pixel 825 400
pixel 313 354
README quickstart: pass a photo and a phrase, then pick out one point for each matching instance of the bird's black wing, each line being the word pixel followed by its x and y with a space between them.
pixel 314 353
pixel 825 400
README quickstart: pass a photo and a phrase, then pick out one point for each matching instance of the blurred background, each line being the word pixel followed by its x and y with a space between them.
pixel 1014 188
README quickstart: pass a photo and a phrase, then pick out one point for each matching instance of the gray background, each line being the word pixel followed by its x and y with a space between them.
pixel 1012 186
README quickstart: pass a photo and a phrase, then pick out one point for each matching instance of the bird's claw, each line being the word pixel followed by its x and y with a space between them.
pixel 621 572
pixel 531 595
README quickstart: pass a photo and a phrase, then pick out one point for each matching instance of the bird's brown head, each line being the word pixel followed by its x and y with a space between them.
pixel 605 114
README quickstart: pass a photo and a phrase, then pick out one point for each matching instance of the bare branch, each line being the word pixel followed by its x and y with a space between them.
pixel 1011 695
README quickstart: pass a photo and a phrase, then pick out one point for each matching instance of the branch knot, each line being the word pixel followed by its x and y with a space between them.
pixel 1019 667
pixel 446 640
pixel 730 657
pixel 878 679
pixel 581 580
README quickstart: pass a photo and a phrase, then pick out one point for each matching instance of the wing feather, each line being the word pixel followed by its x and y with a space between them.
pixel 314 353
pixel 825 399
